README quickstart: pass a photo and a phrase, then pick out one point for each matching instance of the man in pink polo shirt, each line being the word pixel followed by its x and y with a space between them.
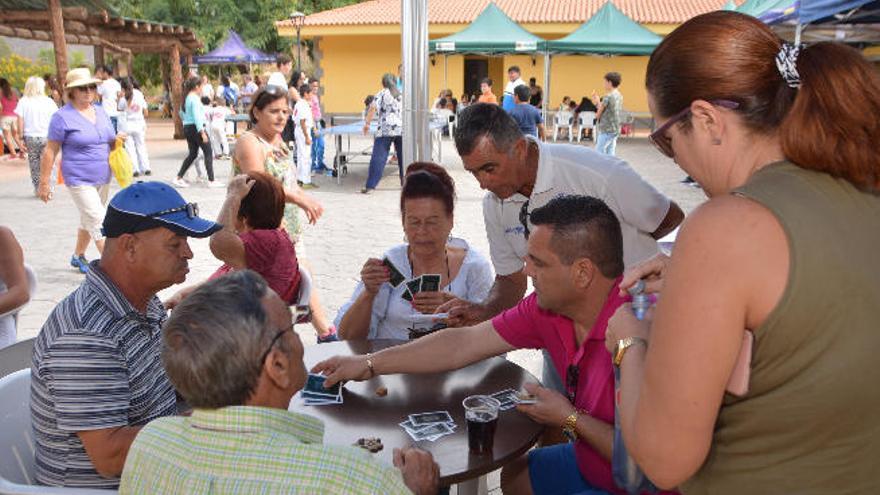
pixel 575 260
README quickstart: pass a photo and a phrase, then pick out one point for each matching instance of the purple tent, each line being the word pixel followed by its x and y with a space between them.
pixel 233 51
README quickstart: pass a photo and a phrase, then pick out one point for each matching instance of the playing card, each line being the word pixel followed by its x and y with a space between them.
pixel 507 398
pixel 397 278
pixel 525 398
pixel 429 319
pixel 428 418
pixel 315 388
pixel 414 285
pixel 433 431
pixel 430 283
pixel 407 295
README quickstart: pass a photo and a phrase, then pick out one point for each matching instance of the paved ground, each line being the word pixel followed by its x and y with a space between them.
pixel 353 227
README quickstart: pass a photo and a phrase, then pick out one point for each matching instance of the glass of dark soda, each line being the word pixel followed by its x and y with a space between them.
pixel 481 414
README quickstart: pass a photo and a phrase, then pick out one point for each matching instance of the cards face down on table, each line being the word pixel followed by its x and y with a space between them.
pixel 425 283
pixel 429 425
pixel 510 398
pixel 314 393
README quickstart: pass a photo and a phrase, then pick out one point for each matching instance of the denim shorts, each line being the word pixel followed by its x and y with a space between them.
pixel 554 470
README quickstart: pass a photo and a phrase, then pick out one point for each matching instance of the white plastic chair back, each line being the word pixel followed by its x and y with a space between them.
pixel 585 121
pixel 16 357
pixel 562 119
pixel 17 443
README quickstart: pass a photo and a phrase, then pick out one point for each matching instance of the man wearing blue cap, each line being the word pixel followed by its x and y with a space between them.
pixel 96 374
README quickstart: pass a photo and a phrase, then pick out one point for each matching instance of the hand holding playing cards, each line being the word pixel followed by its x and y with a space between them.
pixel 341 368
pixel 420 473
pixel 428 302
pixel 551 407
pixel 374 274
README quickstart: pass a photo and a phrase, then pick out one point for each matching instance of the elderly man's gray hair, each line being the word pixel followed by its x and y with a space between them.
pixel 214 339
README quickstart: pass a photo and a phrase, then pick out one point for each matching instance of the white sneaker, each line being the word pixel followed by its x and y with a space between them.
pixel 178 182
pixel 215 184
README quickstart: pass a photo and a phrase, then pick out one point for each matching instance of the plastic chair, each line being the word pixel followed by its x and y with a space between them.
pixel 16 357
pixel 586 120
pixel 303 311
pixel 562 120
pixel 17 443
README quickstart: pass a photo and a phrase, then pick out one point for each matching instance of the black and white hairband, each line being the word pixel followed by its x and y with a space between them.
pixel 786 62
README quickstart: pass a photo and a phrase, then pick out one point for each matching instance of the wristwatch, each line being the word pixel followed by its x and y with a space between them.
pixel 568 427
pixel 623 345
pixel 370 365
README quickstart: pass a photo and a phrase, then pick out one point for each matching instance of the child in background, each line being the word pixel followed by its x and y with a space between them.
pixel 217 127
pixel 303 124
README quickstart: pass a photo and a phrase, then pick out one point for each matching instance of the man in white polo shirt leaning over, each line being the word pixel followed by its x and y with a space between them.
pixel 522 174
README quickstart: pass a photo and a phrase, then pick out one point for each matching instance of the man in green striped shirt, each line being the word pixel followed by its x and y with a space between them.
pixel 230 351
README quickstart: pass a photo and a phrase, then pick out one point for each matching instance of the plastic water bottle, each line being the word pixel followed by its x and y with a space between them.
pixel 627 474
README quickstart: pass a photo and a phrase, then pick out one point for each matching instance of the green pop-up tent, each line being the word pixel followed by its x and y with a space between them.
pixel 608 32
pixel 491 33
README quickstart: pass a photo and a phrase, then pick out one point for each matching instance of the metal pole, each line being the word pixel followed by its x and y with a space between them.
pixel 546 100
pixel 445 71
pixel 298 50
pixel 414 49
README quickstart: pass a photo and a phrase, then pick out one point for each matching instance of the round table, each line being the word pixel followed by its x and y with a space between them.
pixel 365 414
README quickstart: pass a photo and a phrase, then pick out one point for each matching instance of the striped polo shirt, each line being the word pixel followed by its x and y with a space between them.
pixel 96 365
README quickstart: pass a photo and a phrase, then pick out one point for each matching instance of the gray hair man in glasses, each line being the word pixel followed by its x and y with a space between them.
pixel 241 438
pixel 96 374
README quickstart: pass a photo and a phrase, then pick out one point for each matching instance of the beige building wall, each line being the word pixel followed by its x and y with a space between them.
pixel 352 68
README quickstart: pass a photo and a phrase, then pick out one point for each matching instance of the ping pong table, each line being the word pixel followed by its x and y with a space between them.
pixel 354 126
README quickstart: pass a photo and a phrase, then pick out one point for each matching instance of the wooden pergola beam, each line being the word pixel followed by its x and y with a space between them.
pixel 56 24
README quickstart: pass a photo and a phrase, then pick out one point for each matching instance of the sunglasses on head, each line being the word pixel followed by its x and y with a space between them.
pixel 664 143
pixel 191 209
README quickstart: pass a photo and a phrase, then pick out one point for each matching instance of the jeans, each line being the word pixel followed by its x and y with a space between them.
pixel 317 150
pixel 554 470
pixel 115 122
pixel 194 142
pixel 606 143
pixel 381 146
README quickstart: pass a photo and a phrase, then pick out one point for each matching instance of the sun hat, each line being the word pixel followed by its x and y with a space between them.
pixel 80 77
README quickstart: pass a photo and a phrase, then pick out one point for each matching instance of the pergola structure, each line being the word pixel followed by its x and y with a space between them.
pixel 92 22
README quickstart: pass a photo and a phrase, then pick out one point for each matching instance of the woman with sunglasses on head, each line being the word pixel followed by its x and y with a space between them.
pixel 84 135
pixel 262 149
pixel 783 139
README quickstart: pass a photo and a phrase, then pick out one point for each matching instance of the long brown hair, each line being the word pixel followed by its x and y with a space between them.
pixel 829 124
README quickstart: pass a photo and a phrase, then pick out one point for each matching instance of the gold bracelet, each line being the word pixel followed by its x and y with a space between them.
pixel 370 365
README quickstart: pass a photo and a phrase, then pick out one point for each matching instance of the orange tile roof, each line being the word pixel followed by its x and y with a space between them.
pixel 521 11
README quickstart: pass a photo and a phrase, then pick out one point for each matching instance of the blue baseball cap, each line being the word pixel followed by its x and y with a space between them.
pixel 149 205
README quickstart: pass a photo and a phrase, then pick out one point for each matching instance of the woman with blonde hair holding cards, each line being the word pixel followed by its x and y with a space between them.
pixel 398 294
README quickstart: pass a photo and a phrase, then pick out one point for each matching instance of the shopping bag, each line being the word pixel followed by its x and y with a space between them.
pixel 120 164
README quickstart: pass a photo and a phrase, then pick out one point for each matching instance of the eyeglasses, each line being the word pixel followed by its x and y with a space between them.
pixel 571 382
pixel 86 89
pixel 191 209
pixel 524 218
pixel 663 143
pixel 272 343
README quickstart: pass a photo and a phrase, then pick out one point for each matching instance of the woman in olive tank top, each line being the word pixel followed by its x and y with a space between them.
pixel 773 288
